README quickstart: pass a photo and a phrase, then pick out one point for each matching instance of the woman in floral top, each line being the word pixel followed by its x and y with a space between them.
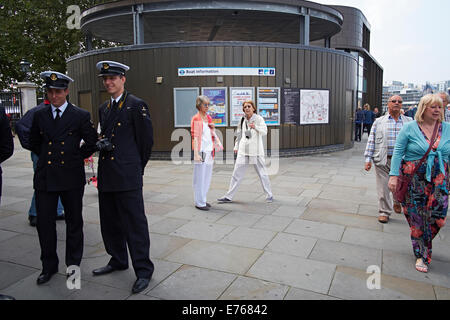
pixel 426 202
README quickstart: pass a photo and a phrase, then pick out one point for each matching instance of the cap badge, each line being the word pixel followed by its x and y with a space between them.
pixel 53 77
pixel 106 66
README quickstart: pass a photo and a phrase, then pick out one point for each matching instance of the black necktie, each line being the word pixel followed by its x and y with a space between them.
pixel 58 117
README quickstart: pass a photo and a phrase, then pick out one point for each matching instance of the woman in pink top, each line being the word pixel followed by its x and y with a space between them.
pixel 204 143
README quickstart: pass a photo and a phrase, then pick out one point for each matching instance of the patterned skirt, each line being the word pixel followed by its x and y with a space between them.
pixel 425 206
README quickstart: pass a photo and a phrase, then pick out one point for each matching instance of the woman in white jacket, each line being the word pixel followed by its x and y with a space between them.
pixel 250 150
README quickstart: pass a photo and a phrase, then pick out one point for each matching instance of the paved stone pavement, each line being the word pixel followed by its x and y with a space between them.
pixel 315 241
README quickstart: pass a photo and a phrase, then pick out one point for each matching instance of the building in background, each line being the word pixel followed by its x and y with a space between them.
pixel 177 49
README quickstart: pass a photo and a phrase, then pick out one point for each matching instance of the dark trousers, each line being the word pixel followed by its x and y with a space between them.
pixel 358 127
pixel 46 204
pixel 368 127
pixel 123 222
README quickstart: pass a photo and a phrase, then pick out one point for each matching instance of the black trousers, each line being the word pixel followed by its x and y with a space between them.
pixel 46 204
pixel 358 128
pixel 369 128
pixel 123 222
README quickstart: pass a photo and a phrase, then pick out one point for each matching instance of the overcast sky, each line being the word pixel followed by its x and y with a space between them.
pixel 409 38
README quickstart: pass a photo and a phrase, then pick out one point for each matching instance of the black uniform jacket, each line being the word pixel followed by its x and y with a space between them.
pixel 6 139
pixel 130 130
pixel 23 126
pixel 61 159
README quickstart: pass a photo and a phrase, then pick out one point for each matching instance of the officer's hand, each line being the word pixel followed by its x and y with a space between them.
pixel 368 166
pixel 392 184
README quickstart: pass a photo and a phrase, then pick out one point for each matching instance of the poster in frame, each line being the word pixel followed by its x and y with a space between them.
pixel 218 108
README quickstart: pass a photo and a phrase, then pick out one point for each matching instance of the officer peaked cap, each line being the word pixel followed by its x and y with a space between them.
pixel 55 80
pixel 111 68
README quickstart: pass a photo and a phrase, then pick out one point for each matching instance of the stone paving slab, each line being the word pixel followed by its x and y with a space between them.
pixel 402 265
pixel 377 240
pixel 12 273
pixel 343 254
pixel 240 219
pixel 168 225
pixel 316 229
pixel 289 211
pixel 273 223
pixel 192 283
pixel 294 271
pixel 344 219
pixel 244 288
pixel 351 284
pixel 292 245
pixel 216 256
pixel 203 231
pixel 249 237
pixel 300 294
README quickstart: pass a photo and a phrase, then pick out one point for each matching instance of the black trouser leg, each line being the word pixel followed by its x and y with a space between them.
pixel 73 206
pixel 358 132
pixel 112 229
pixel 46 203
pixel 130 204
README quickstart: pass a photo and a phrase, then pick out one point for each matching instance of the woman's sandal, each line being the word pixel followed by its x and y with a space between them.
pixel 421 267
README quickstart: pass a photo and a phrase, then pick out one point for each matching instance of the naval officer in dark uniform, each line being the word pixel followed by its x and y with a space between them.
pixel 125 148
pixel 55 136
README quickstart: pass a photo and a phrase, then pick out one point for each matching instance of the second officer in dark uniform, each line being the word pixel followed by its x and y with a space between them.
pixel 125 148
pixel 55 136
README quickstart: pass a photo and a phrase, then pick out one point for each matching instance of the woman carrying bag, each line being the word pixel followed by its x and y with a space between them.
pixel 421 156
pixel 250 150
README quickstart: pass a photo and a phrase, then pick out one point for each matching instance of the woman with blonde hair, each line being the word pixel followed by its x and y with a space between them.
pixel 421 155
pixel 204 143
pixel 250 150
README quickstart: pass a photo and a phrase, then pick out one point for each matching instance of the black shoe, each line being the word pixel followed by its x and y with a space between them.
pixel 33 220
pixel 140 285
pixel 208 205
pixel 224 200
pixel 61 217
pixel 3 297
pixel 44 277
pixel 105 270
pixel 205 208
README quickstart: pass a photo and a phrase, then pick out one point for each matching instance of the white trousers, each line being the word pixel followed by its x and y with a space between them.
pixel 202 179
pixel 240 167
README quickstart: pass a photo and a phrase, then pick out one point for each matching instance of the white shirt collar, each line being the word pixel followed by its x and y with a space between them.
pixel 116 100
pixel 62 108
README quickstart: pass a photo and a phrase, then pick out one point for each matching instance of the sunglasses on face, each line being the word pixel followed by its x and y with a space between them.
pixel 396 101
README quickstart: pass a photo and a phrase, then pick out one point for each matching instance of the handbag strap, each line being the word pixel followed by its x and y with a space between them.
pixel 433 140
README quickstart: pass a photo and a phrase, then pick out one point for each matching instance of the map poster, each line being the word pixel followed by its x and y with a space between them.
pixel 218 105
pixel 269 105
pixel 290 106
pixel 314 106
pixel 238 96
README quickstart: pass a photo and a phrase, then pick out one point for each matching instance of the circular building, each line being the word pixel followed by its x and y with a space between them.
pixel 277 52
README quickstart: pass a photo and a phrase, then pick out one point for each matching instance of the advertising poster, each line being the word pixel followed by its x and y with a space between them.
pixel 269 105
pixel 314 107
pixel 290 106
pixel 238 96
pixel 218 105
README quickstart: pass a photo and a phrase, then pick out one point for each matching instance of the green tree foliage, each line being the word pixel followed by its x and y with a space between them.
pixel 36 30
